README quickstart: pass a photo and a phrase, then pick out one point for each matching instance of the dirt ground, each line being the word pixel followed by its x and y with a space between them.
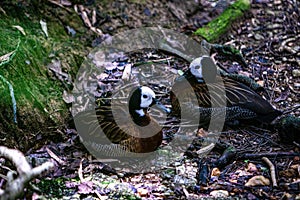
pixel 268 38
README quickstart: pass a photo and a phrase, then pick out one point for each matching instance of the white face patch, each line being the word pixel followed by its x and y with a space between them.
pixel 147 96
pixel 196 68
pixel 140 112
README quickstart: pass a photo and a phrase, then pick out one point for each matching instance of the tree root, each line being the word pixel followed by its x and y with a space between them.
pixel 15 186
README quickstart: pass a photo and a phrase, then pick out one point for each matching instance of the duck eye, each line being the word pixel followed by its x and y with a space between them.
pixel 145 96
pixel 197 67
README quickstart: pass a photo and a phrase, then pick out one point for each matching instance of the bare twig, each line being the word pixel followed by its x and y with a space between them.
pixel 15 186
pixel 60 5
pixel 55 157
pixel 80 173
pixel 272 169
pixel 272 155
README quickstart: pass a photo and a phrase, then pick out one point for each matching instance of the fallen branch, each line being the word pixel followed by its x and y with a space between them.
pixel 249 156
pixel 272 170
pixel 15 186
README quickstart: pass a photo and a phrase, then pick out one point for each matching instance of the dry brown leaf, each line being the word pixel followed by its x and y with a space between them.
pixel 215 172
pixel 202 133
pixel 142 192
pixel 258 180
pixel 288 173
pixel 55 157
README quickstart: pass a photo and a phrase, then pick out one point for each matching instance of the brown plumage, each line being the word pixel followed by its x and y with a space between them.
pixel 122 126
pixel 219 91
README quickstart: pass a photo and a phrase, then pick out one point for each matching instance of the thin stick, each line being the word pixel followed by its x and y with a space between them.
pixel 272 169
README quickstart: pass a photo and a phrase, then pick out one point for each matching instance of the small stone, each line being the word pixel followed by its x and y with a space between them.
pixel 296 73
pixel 277 62
pixel 265 73
pixel 297 85
pixel 261 83
pixel 277 2
pixel 258 37
pixel 270 12
pixel 219 193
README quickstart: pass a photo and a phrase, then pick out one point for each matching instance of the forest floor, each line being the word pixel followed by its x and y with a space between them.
pixel 268 36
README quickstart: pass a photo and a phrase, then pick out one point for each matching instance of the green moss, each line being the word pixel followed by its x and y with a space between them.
pixel 55 188
pixel 26 71
pixel 37 90
pixel 138 1
pixel 221 24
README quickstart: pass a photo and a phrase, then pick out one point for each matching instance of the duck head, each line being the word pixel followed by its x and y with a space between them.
pixel 141 100
pixel 202 69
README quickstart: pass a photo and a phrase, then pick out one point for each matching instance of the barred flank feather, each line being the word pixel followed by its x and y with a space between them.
pixel 237 95
pixel 115 132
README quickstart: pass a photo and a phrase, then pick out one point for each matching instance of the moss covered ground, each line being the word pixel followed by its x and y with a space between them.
pixel 217 27
pixel 38 93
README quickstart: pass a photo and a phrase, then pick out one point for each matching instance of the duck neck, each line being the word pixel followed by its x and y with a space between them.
pixel 140 117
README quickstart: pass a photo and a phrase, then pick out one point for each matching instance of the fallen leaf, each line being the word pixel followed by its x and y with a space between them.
pixel 258 180
pixel 86 187
pixel 55 67
pixel 215 172
pixel 102 76
pixel 180 72
pixel 44 27
pixel 71 31
pixel 261 83
pixel 6 57
pixel 251 167
pixel 202 133
pixel 126 72
pixel 67 97
pixel 86 19
pixel 288 173
pixel 283 96
pixel 20 29
pixel 142 192
pixel 65 3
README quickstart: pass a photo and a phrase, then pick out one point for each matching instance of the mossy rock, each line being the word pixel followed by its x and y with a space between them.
pixel 217 27
pixel 38 93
